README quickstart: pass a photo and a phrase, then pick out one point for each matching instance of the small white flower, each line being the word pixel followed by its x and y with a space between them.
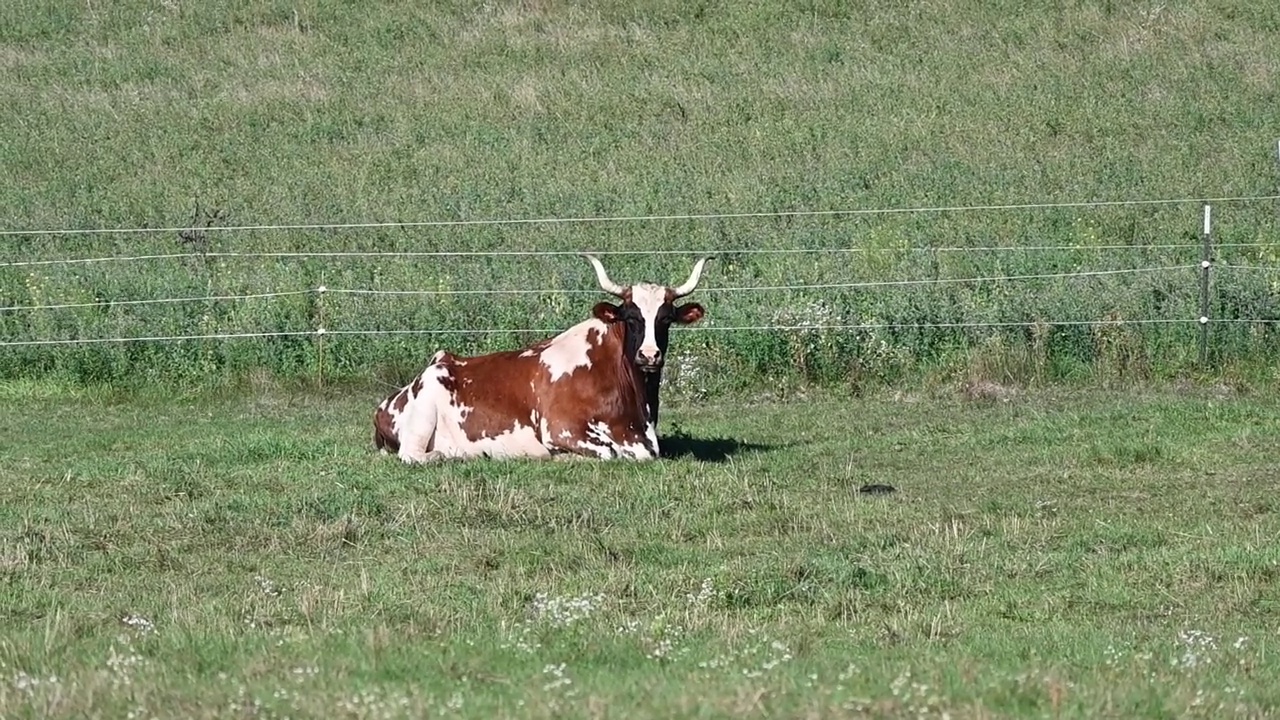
pixel 705 595
pixel 559 678
pixel 139 623
pixel 1197 647
pixel 553 612
pixel 29 683
pixel 267 586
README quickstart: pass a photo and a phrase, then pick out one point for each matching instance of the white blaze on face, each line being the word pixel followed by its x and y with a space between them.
pixel 649 299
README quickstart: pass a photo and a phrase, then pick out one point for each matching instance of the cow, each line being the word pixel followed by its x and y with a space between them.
pixel 591 391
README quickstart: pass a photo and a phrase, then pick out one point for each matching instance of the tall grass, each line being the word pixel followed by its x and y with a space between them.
pixel 130 114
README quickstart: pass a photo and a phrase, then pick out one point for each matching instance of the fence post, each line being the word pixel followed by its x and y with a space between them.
pixel 320 333
pixel 1206 262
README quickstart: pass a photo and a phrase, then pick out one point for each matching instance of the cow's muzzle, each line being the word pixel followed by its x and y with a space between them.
pixel 649 362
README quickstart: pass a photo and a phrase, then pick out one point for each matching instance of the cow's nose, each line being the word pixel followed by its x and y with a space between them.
pixel 649 356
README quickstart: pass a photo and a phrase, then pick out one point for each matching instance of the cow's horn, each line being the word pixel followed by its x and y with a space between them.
pixel 692 282
pixel 606 284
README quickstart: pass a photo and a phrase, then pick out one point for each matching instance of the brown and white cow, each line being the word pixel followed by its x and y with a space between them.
pixel 590 391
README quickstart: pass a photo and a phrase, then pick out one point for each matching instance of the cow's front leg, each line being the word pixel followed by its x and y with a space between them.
pixel 621 440
pixel 574 441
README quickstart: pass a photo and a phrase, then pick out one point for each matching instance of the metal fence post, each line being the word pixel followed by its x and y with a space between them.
pixel 320 333
pixel 1206 262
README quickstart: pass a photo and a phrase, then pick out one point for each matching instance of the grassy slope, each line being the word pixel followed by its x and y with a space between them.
pixel 125 113
pixel 318 110
pixel 1087 554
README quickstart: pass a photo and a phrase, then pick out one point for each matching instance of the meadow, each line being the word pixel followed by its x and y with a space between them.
pixel 1052 554
pixel 957 254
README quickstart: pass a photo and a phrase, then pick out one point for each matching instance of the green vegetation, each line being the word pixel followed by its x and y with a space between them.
pixel 1075 555
pixel 132 113
pixel 1053 548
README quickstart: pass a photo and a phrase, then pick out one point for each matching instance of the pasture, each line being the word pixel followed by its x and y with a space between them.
pixel 957 254
pixel 1056 552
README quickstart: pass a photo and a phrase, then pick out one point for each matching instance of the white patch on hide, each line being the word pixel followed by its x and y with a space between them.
pixel 604 451
pixel 651 434
pixel 433 418
pixel 521 441
pixel 415 425
pixel 568 350
pixel 601 441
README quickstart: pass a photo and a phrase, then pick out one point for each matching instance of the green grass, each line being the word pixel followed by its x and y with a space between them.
pixel 1052 549
pixel 1057 552
pixel 130 113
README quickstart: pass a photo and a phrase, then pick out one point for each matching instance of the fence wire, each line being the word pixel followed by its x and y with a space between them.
pixel 411 255
pixel 549 332
pixel 596 291
pixel 848 212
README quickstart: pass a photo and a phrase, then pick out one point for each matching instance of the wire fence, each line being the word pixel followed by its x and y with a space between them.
pixel 706 327
pixel 318 329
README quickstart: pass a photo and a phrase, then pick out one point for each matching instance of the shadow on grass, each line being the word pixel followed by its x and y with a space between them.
pixel 680 444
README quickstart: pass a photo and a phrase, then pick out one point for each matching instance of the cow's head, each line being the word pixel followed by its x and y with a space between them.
pixel 648 311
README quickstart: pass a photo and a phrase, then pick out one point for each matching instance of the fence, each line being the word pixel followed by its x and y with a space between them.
pixel 324 314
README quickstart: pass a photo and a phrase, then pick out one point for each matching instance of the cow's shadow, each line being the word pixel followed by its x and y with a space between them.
pixel 679 444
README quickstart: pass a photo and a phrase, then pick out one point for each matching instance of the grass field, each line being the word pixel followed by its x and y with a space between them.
pixel 1085 516
pixel 134 113
pixel 1050 553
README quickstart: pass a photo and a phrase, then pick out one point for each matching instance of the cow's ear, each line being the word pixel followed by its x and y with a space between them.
pixel 606 312
pixel 689 313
